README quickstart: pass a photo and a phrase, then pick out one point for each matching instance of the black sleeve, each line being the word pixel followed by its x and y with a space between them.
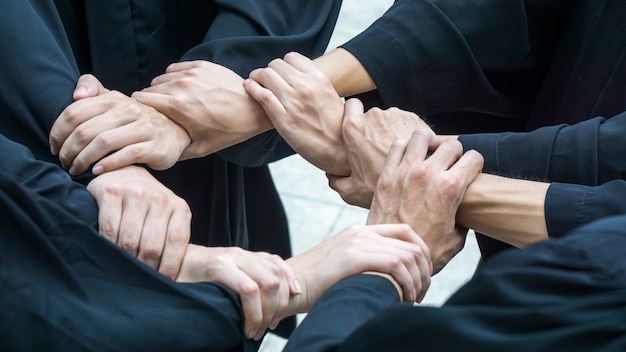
pixel 66 288
pixel 590 152
pixel 341 310
pixel 568 206
pixel 438 56
pixel 560 294
pixel 38 73
pixel 249 34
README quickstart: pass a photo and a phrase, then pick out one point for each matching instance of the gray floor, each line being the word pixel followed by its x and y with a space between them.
pixel 316 212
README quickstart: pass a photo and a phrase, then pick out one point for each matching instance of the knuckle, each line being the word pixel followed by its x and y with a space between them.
pixel 135 191
pixel 83 133
pixel 270 283
pixel 152 250
pixel 129 243
pixel 180 101
pixel 395 263
pixel 104 141
pixel 178 237
pixel 168 269
pixel 249 289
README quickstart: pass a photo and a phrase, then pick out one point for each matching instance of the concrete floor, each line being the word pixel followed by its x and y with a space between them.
pixel 316 212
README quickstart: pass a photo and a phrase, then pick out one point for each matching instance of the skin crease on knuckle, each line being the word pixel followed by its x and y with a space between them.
pixel 83 133
pixel 152 250
pixel 130 243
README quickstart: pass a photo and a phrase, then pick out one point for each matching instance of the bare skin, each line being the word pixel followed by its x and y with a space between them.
pixel 268 287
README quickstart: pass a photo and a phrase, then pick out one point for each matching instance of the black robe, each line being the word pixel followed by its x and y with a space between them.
pixel 126 44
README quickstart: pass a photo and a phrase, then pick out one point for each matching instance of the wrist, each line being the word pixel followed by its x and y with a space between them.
pixel 346 73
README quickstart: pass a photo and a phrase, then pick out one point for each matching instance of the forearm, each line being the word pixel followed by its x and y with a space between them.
pixel 509 210
pixel 346 73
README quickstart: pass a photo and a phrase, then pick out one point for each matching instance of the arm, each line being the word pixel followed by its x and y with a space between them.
pixel 587 152
pixel 215 110
pixel 265 284
pixel 509 210
pixel 308 113
pixel 346 73
pixel 35 88
pixel 443 60
pixel 143 217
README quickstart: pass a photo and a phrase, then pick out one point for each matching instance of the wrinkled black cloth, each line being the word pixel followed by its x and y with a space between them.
pixel 64 287
pixel 566 294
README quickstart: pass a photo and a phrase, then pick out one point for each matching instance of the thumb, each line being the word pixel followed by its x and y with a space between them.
pixel 88 86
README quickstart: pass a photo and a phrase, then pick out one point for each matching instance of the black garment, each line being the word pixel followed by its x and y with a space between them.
pixel 467 66
pixel 64 287
pixel 585 163
pixel 491 66
pixel 567 294
pixel 125 44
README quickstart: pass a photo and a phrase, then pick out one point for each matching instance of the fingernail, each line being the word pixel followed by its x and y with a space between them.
pixel 295 287
pixel 252 334
pixel 275 323
pixel 72 171
pixel 53 151
pixel 98 169
pixel 260 335
pixel 414 295
pixel 80 91
pixel 431 267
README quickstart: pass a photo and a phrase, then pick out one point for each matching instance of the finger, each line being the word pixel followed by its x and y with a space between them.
pixel 289 74
pixel 448 153
pixel 301 62
pixel 152 237
pixel 163 83
pixel 401 232
pixel 266 98
pixel 73 116
pixel 152 97
pixel 395 157
pixel 470 165
pixel 88 86
pixel 278 291
pixel 390 263
pixel 109 217
pixel 270 79
pixel 114 139
pixel 178 235
pixel 182 66
pixel 412 261
pixel 351 128
pixel 134 211
pixel 418 147
pixel 250 296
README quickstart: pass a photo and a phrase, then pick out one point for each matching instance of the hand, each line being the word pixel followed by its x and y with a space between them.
pixel 101 122
pixel 143 217
pixel 209 102
pixel 367 138
pixel 389 249
pixel 263 281
pixel 425 192
pixel 304 109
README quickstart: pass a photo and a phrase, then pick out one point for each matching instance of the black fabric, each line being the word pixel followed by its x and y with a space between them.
pixel 567 294
pixel 63 287
pixel 492 66
pixel 125 44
